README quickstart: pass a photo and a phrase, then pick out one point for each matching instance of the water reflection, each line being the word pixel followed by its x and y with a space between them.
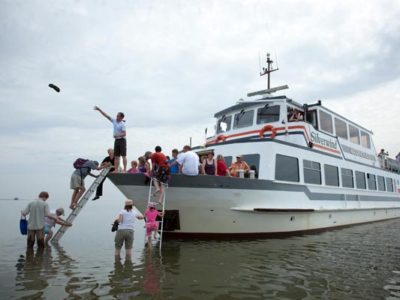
pixel 30 279
pixel 152 273
pixel 123 280
pixel 356 263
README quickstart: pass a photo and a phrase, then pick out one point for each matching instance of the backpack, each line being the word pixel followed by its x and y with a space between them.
pixel 79 162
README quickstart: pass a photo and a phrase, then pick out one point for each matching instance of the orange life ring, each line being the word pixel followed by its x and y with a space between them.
pixel 221 138
pixel 268 128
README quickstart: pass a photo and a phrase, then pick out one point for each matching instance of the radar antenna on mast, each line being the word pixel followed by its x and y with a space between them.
pixel 268 70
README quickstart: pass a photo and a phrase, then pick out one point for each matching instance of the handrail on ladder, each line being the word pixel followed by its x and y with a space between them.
pixel 85 198
pixel 163 207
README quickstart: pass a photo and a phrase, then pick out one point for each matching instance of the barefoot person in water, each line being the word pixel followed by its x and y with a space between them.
pixel 126 220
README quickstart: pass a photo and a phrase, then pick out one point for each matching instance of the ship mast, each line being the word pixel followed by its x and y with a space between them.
pixel 268 70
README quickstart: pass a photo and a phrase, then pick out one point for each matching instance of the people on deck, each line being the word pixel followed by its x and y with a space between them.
pixel 78 180
pixel 152 225
pixel 134 167
pixel 124 236
pixel 119 138
pixel 143 166
pixel 382 154
pixel 239 165
pixel 147 158
pixel 188 161
pixel 174 167
pixel 222 168
pixel 296 116
pixel 209 165
pixel 160 172
pixel 37 211
pixel 49 223
pixel 107 162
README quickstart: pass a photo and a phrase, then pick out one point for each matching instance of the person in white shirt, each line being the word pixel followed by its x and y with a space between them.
pixel 188 161
pixel 126 220
pixel 119 134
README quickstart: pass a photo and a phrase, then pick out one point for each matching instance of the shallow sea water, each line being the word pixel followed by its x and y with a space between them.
pixel 359 262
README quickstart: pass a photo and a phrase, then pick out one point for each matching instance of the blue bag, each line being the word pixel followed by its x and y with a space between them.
pixel 23 226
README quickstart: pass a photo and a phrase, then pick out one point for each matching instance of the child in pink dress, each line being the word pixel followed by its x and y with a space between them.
pixel 151 223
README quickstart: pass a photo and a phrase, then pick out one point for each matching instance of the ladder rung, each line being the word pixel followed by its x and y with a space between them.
pixel 59 234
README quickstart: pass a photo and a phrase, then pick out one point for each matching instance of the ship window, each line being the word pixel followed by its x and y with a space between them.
pixel 311 117
pixel 243 119
pixel 268 114
pixel 371 181
pixel 381 183
pixel 294 114
pixel 341 128
pixel 347 178
pixel 224 124
pixel 331 175
pixel 354 135
pixel 365 141
pixel 312 172
pixel 286 168
pixel 228 160
pixel 389 184
pixel 325 120
pixel 360 180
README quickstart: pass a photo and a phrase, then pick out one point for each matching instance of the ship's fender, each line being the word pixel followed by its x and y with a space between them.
pixel 267 128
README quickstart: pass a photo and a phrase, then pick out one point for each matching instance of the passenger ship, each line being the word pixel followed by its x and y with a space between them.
pixel 317 171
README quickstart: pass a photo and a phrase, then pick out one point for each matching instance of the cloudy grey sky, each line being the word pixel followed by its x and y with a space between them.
pixel 170 65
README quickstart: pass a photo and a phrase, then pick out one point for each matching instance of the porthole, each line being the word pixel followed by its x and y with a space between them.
pixel 292 218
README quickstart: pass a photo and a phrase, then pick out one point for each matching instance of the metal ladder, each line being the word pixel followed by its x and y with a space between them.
pixel 163 207
pixel 85 198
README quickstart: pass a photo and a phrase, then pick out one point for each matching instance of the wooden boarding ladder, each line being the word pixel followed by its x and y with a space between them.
pixel 163 207
pixel 85 198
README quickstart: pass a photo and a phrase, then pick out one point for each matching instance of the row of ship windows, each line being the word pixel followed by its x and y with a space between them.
pixel 352 133
pixel 268 114
pixel 287 169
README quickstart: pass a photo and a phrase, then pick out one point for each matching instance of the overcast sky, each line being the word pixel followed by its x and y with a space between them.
pixel 170 65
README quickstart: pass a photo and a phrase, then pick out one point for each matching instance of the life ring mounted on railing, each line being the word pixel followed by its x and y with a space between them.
pixel 221 138
pixel 268 128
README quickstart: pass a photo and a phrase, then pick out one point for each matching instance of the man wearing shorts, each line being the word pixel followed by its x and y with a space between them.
pixel 119 138
pixel 37 211
pixel 160 171
pixel 77 182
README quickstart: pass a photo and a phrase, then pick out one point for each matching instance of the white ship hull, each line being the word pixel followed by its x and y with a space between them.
pixel 286 209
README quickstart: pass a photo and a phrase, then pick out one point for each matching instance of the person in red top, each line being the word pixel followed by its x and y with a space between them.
pixel 160 171
pixel 222 168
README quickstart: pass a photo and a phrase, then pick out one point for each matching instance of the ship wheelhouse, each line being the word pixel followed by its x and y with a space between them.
pixel 245 116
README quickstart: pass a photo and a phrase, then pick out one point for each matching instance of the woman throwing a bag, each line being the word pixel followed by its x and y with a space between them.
pixel 124 235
